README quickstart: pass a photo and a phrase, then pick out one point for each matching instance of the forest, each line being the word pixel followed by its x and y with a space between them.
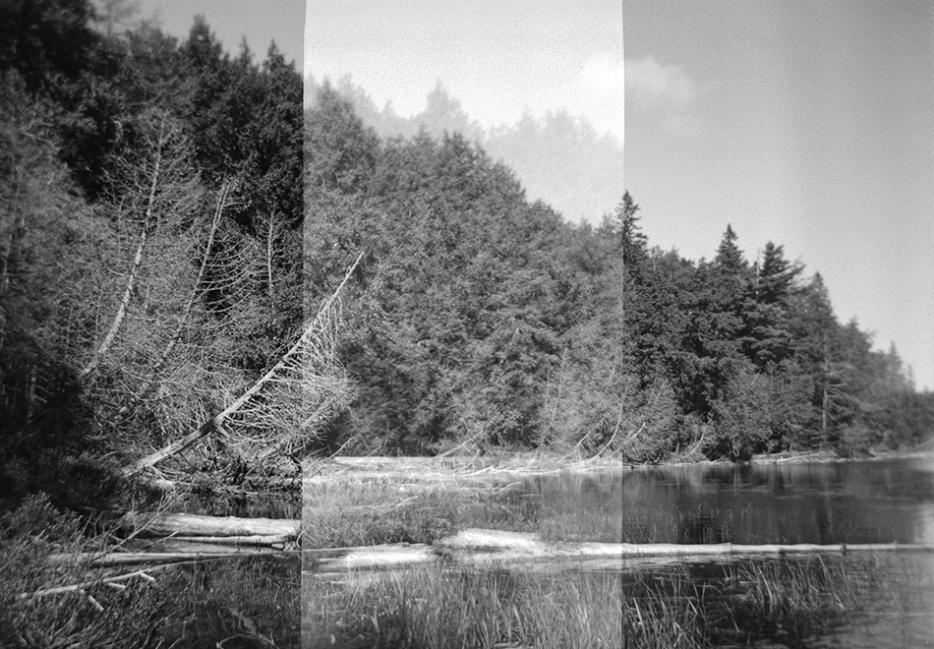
pixel 173 215
pixel 151 255
pixel 482 320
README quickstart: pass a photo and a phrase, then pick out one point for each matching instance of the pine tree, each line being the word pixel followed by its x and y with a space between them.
pixel 767 338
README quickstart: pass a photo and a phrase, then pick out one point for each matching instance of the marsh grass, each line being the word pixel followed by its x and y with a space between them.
pixel 432 607
pixel 685 607
pixel 197 605
pixel 789 601
pixel 371 513
pixel 352 512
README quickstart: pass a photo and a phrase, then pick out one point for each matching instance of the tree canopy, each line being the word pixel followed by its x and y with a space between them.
pixel 484 319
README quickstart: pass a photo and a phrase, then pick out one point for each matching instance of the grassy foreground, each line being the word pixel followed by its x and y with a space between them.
pixel 210 604
pixel 682 608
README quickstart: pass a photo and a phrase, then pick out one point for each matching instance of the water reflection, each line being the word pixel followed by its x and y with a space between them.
pixel 879 600
pixel 286 504
pixel 853 502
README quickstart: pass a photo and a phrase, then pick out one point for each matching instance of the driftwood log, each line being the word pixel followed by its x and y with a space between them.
pixel 182 539
pixel 191 554
pixel 250 531
pixel 192 537
pixel 477 547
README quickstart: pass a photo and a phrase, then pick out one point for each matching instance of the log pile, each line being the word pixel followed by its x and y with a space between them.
pixel 174 538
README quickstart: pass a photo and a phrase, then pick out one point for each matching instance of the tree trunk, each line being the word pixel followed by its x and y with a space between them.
pixel 148 223
pixel 189 305
pixel 97 560
pixel 270 236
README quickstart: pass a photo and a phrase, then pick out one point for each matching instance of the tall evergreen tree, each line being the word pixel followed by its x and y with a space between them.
pixel 768 337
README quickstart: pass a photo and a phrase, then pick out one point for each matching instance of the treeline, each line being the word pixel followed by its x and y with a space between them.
pixel 150 243
pixel 540 150
pixel 482 320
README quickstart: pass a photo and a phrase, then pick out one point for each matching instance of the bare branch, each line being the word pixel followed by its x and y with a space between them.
pixel 137 262
pixel 297 384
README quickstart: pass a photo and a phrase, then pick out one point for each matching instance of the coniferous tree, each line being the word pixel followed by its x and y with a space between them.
pixel 768 339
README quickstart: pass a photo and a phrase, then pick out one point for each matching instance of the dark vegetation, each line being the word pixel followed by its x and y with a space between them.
pixel 128 313
pixel 482 320
pixel 150 268
pixel 194 605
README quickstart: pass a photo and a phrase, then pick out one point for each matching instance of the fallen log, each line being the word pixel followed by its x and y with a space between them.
pixel 196 554
pixel 201 545
pixel 256 539
pixel 196 525
pixel 477 547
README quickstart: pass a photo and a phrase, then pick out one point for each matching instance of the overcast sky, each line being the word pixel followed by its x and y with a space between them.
pixel 808 123
pixel 499 58
pixel 232 20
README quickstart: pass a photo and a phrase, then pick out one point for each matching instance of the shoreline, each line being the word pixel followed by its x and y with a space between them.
pixel 431 468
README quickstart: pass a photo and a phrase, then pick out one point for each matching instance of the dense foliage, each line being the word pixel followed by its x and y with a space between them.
pixel 481 319
pixel 150 242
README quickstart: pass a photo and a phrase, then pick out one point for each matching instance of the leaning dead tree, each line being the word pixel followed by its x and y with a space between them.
pixel 148 224
pixel 288 403
pixel 198 288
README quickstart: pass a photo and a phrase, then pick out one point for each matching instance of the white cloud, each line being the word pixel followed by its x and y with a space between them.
pixel 600 94
pixel 650 84
pixel 666 91
pixel 604 85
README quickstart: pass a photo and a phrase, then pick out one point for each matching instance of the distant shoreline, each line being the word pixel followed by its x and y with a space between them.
pixel 452 466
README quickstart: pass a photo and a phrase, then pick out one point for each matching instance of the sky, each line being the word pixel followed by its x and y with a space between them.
pixel 500 59
pixel 232 20
pixel 810 124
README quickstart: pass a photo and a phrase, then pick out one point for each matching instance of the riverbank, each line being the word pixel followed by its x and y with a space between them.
pixel 800 457
pixel 438 468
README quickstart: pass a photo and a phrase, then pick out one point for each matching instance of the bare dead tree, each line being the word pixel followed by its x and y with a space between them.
pixel 159 171
pixel 196 291
pixel 287 403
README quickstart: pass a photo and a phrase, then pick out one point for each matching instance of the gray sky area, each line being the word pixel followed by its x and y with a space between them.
pixel 232 20
pixel 807 123
pixel 500 59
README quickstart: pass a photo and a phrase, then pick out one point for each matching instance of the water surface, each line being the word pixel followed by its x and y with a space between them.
pixel 889 598
pixel 853 600
pixel 874 501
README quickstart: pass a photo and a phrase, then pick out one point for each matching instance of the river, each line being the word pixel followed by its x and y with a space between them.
pixel 857 502
pixel 854 599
